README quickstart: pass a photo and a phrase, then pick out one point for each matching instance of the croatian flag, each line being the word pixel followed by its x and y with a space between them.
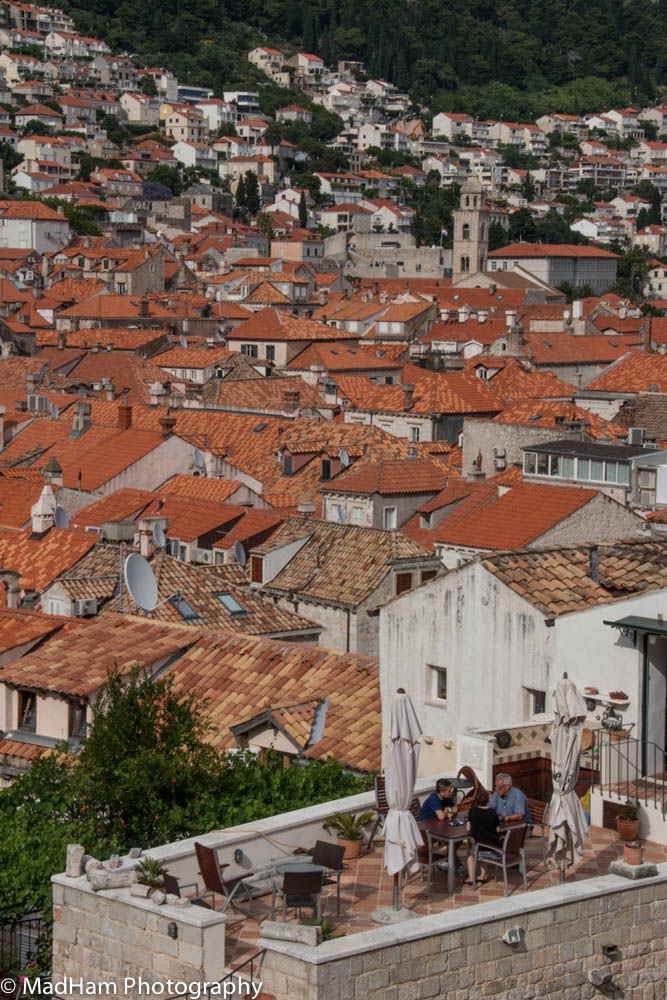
pixel 444 231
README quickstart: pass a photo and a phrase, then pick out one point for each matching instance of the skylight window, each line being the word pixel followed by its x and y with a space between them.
pixel 258 428
pixel 230 604
pixel 537 416
pixel 184 608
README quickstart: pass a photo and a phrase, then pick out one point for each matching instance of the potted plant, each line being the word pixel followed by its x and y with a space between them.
pixel 633 853
pixel 150 873
pixel 627 822
pixel 349 827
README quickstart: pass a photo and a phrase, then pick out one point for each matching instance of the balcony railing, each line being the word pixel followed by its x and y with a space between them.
pixel 630 769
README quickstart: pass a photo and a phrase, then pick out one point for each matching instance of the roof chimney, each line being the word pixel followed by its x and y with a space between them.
pixel 291 400
pixel 167 424
pixel 510 317
pixel 42 512
pixel 81 418
pixel 408 396
pixel 143 306
pixel 10 578
pixel 125 416
pixel 53 473
pixel 62 340
pixel 594 564
pixel 306 509
pixel 31 382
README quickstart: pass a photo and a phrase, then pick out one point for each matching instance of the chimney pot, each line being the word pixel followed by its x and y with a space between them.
pixel 124 416
pixel 167 424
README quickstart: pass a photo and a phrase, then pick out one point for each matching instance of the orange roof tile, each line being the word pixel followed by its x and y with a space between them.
pixel 274 324
pixel 635 373
pixel 41 560
pixel 407 475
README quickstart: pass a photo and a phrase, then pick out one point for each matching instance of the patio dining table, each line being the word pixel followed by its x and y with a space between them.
pixel 450 833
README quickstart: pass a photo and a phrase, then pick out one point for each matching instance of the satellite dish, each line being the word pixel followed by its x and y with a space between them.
pixel 239 554
pixel 61 517
pixel 199 458
pixel 53 410
pixel 183 341
pixel 140 581
pixel 158 535
pixel 344 458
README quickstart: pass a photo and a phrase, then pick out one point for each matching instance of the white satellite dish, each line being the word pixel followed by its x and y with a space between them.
pixel 140 581
pixel 239 554
pixel 53 410
pixel 61 517
pixel 344 458
pixel 158 535
pixel 198 458
pixel 184 341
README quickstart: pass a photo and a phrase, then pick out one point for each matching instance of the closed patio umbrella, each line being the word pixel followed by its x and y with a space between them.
pixel 567 823
pixel 402 835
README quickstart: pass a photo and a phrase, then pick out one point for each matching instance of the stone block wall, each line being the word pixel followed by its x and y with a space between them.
pixel 461 955
pixel 111 936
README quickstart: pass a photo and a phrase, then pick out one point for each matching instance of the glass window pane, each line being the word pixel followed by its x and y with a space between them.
pixel 597 469
pixel 624 474
pixel 543 465
pixel 529 462
pixel 554 465
pixel 567 469
pixel 610 472
pixel 229 602
pixel 583 468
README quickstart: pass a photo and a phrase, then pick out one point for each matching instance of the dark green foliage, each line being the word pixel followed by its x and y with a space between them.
pixel 169 176
pixel 10 158
pixel 148 86
pixel 252 199
pixel 145 776
pixel 512 60
pixel 303 211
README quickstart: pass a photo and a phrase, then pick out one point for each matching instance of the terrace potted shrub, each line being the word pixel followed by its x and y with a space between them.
pixel 150 876
pixel 349 828
pixel 627 822
pixel 633 853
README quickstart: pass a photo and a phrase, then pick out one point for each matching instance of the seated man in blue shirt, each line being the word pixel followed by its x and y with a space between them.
pixel 510 803
pixel 442 798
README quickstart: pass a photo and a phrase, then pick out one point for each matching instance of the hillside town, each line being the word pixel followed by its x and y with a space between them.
pixel 312 401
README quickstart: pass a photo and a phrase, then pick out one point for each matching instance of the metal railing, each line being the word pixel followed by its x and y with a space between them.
pixel 20 940
pixel 630 769
pixel 249 963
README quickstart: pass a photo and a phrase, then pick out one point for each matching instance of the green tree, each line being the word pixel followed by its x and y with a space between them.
pixel 241 202
pixel 655 211
pixel 148 85
pixel 252 197
pixel 169 176
pixel 303 211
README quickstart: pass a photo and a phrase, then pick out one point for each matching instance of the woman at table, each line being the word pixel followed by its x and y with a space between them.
pixel 482 826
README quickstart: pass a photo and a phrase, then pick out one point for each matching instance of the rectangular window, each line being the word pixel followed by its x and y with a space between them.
pixel 389 518
pixel 326 468
pixel 183 607
pixel 530 463
pixel 583 468
pixel 77 719
pixel 623 474
pixel 414 433
pixel 597 470
pixel 543 465
pixel 287 465
pixel 250 350
pixel 230 603
pixel 610 472
pixel 270 352
pixel 28 711
pixel 193 374
pixel 567 467
pixel 555 462
pixel 357 515
pixel 257 569
pixel 438 682
pixel 55 606
pixel 337 513
pixel 428 574
pixel 403 582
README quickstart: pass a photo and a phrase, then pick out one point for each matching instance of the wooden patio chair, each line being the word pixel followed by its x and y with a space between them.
pixel 210 870
pixel 470 797
pixel 330 856
pixel 539 814
pixel 299 889
pixel 512 854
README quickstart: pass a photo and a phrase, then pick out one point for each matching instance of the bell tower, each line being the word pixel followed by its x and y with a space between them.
pixel 471 232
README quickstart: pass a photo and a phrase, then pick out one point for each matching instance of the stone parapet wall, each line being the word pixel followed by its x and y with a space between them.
pixel 111 936
pixel 461 955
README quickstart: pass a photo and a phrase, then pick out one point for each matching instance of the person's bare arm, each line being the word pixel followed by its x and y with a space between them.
pixel 440 813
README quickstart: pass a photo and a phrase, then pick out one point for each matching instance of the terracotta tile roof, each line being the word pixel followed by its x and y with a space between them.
pixel 20 627
pixel 563 349
pixel 22 751
pixel 636 373
pixel 254 528
pixel 77 660
pixel 550 250
pixel 189 519
pixel 120 505
pixel 434 393
pixel 516 518
pixel 275 324
pixel 547 413
pixel 340 563
pixel 243 677
pixel 407 475
pixel 16 501
pixel 264 395
pixel 342 358
pixel 41 560
pixel 648 411
pixel 190 357
pixel 128 371
pixel 267 294
pixel 122 339
pixel 201 488
pixel 112 306
pixel 557 580
pixel 515 382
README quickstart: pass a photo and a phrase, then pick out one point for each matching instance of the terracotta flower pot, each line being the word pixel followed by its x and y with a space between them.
pixel 633 853
pixel 627 829
pixel 352 847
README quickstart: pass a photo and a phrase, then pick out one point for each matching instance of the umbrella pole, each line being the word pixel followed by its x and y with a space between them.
pixel 395 904
pixel 562 872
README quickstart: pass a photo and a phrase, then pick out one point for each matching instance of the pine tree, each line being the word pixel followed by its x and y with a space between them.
pixel 241 199
pixel 655 211
pixel 303 211
pixel 252 193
